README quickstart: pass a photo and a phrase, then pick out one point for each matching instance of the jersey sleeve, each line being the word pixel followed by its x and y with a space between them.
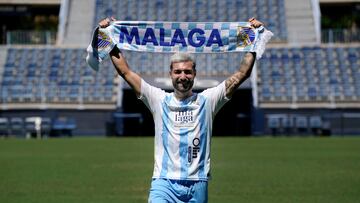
pixel 150 95
pixel 216 97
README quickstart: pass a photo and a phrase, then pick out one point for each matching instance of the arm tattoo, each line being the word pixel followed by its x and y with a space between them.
pixel 235 80
pixel 231 83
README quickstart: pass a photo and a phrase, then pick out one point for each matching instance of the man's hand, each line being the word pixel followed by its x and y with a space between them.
pixel 255 23
pixel 106 22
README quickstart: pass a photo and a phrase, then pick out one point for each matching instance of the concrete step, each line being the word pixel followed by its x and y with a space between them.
pixel 3 55
pixel 80 22
pixel 299 21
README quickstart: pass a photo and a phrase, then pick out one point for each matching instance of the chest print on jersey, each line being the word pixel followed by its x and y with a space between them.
pixel 184 117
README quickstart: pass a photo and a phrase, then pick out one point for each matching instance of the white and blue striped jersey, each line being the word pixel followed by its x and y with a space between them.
pixel 183 131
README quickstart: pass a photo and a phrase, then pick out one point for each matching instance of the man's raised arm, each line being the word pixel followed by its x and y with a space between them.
pixel 121 66
pixel 235 80
pixel 246 65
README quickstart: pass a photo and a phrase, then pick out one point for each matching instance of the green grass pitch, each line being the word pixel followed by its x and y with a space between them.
pixel 96 170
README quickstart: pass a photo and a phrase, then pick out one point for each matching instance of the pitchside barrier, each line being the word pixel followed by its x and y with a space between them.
pixel 299 124
pixel 36 127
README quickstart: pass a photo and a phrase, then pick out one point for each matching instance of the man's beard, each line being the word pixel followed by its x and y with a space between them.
pixel 183 86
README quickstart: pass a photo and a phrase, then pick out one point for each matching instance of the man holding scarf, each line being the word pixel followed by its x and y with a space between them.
pixel 183 123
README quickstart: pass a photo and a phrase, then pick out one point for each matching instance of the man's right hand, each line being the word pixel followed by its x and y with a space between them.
pixel 106 22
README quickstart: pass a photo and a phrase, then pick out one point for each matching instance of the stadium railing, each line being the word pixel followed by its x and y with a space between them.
pixel 30 37
pixel 340 35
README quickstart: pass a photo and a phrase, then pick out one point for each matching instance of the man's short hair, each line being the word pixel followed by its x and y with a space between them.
pixel 182 57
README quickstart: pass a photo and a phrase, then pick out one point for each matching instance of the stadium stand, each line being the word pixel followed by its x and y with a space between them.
pixel 197 11
pixel 285 75
pixel 300 86
pixel 315 74
pixel 54 75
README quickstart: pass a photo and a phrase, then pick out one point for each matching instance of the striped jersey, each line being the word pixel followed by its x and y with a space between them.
pixel 183 131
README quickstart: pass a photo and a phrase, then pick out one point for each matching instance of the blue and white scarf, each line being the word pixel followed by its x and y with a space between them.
pixel 192 37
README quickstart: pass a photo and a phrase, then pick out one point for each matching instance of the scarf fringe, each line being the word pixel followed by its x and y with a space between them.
pixel 261 43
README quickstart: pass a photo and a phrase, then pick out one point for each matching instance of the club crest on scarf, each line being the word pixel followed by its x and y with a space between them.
pixel 245 36
pixel 103 40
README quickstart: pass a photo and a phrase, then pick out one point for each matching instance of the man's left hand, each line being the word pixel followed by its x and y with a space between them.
pixel 255 23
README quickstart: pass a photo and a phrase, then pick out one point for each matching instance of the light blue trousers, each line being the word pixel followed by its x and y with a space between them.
pixel 174 191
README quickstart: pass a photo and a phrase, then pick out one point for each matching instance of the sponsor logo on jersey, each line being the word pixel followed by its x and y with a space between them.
pixel 184 118
pixel 194 149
